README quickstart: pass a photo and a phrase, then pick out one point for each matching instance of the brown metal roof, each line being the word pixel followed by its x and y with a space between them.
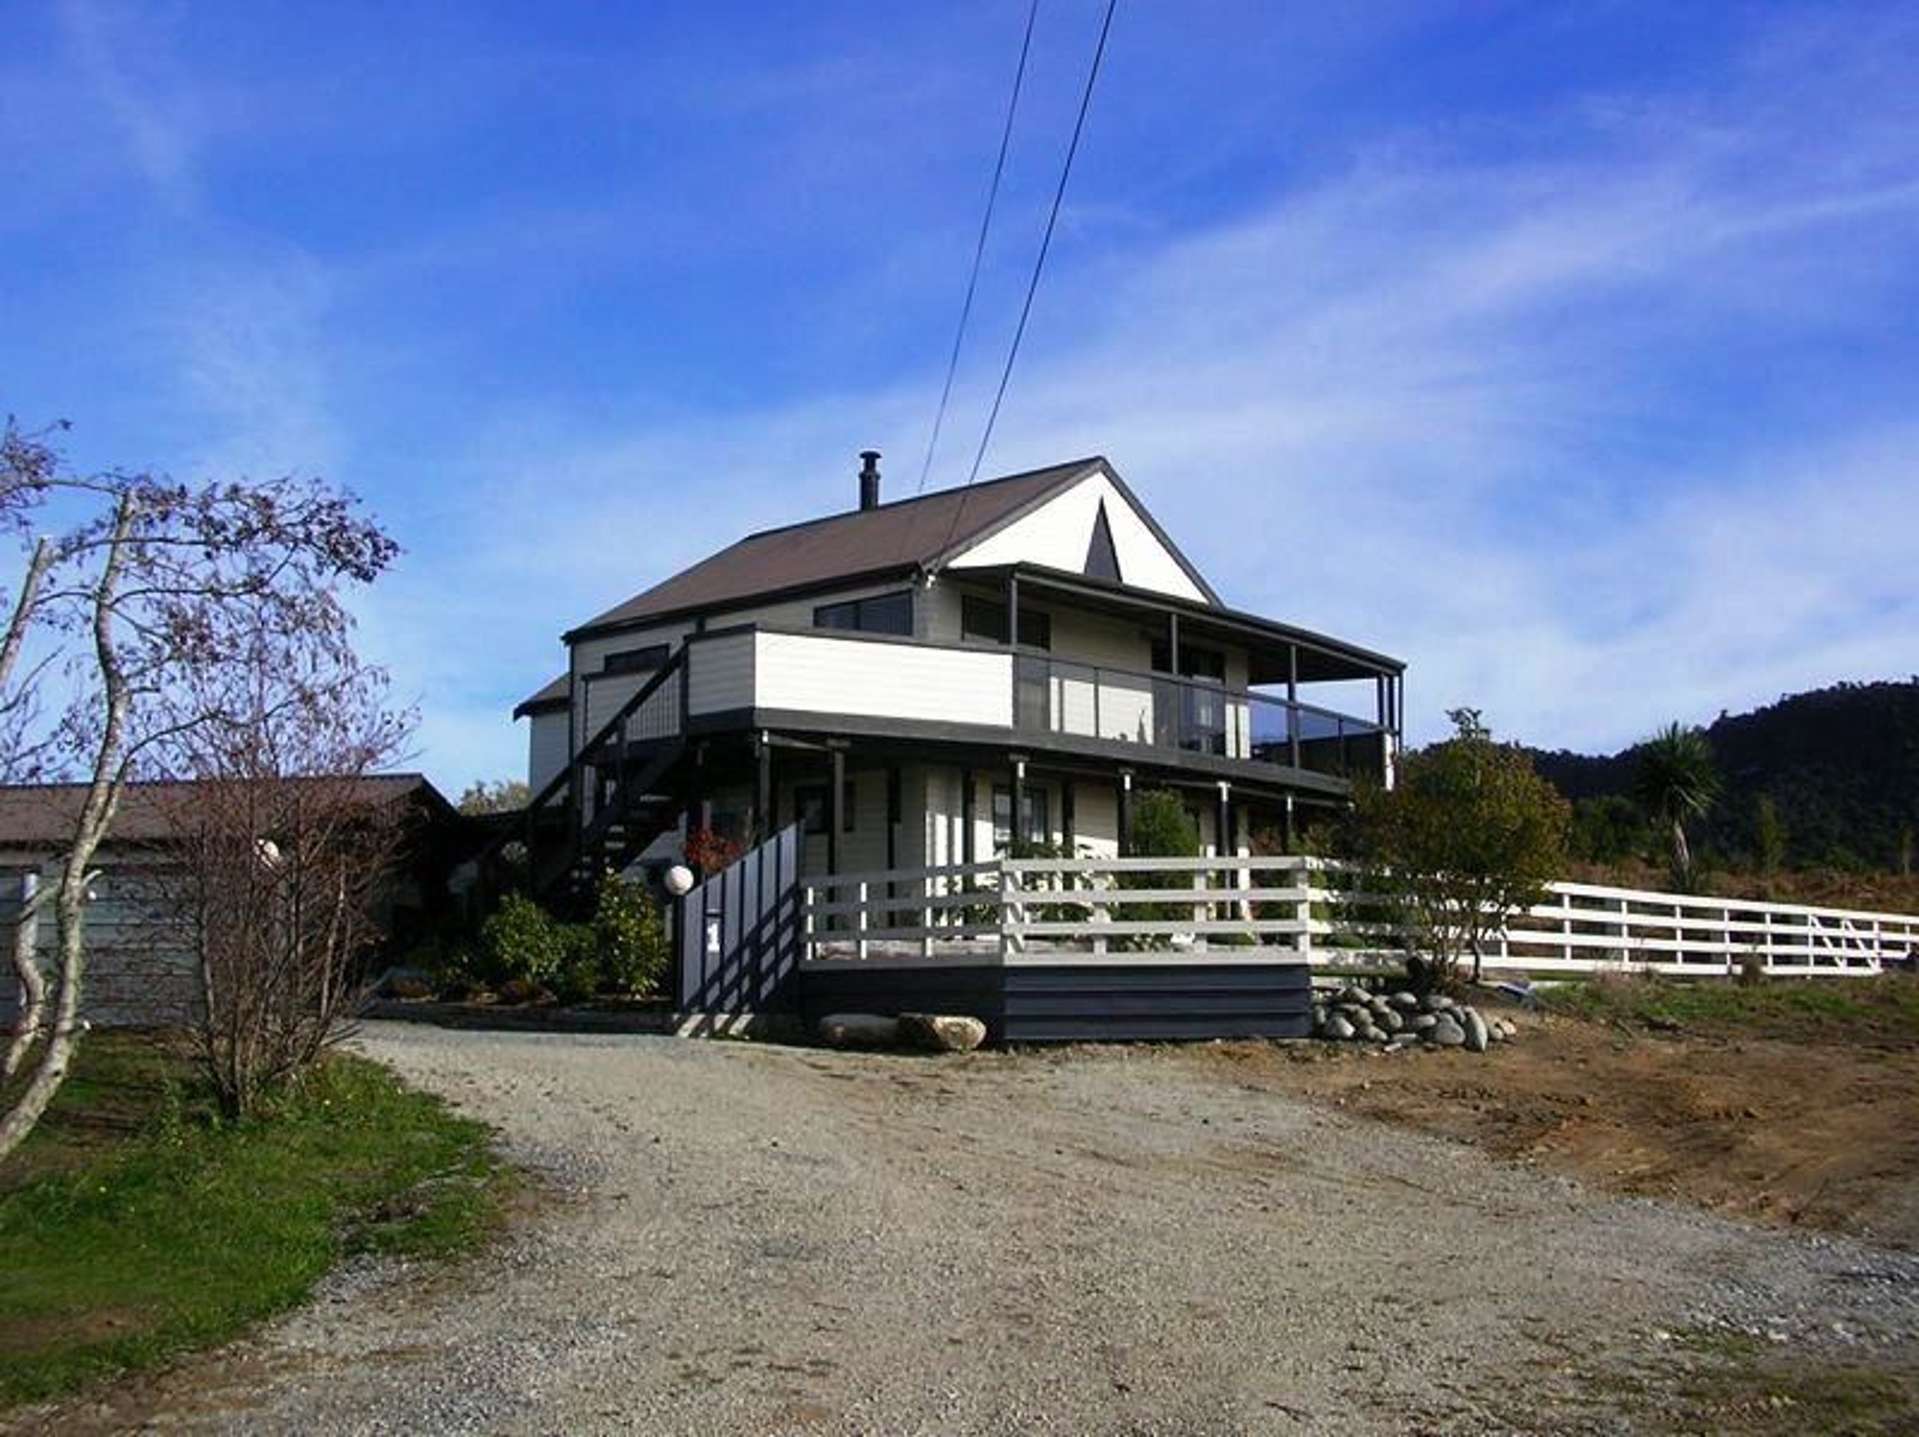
pixel 41 815
pixel 555 694
pixel 905 534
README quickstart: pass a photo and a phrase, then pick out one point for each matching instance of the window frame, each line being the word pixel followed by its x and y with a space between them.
pixel 634 661
pixel 858 609
pixel 807 795
pixel 1039 808
pixel 1035 625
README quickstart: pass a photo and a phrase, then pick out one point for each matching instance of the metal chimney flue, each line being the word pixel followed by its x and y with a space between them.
pixel 869 478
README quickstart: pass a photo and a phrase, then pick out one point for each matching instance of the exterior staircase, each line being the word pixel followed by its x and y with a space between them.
pixel 636 793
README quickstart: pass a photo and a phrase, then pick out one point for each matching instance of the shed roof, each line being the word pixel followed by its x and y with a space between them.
pixel 42 815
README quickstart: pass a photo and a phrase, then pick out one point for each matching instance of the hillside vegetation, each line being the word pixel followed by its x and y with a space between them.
pixel 1840 766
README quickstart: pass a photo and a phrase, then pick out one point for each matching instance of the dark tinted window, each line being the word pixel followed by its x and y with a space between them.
pixel 986 619
pixel 809 799
pixel 635 661
pixel 887 614
pixel 1033 825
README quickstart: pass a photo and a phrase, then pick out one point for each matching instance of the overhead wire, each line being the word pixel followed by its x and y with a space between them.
pixel 1039 266
pixel 979 245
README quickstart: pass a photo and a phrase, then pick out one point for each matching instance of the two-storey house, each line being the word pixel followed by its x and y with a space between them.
pixel 937 679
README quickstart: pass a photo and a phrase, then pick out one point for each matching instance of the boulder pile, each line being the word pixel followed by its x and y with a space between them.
pixel 1405 1019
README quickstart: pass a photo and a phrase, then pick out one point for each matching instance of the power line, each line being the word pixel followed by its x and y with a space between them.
pixel 979 245
pixel 1039 265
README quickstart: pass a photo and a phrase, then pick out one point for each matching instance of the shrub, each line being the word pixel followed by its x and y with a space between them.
pixel 1161 828
pixel 520 941
pixel 1469 835
pixel 630 938
pixel 578 977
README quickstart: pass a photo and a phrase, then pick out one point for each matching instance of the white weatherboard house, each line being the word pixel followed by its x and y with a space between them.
pixel 938 679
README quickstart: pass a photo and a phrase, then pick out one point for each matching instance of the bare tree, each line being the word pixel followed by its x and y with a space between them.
pixel 140 613
pixel 277 858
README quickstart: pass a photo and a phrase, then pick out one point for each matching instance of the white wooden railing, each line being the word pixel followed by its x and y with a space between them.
pixel 1313 909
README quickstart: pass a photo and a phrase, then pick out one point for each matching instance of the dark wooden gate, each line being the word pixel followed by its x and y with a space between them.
pixel 739 934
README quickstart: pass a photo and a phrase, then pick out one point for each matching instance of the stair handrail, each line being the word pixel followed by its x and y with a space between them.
pixel 564 778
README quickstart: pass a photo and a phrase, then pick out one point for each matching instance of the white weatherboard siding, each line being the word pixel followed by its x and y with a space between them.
pixel 546 748
pixel 814 673
pixel 1059 532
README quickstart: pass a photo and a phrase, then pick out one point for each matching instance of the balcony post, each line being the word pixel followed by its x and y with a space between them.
pixel 1292 724
pixel 1125 811
pixel 969 840
pixel 1292 835
pixel 835 810
pixel 763 817
pixel 1068 839
pixel 1017 829
pixel 1177 687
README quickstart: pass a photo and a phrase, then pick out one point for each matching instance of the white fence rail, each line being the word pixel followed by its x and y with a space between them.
pixel 1309 908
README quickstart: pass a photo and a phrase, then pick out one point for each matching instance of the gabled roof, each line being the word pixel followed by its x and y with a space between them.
pixel 892 538
pixel 555 694
pixel 42 815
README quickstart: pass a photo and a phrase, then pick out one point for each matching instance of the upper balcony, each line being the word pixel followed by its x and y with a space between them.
pixel 763 677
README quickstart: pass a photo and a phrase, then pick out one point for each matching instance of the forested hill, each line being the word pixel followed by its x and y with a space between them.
pixel 1841 764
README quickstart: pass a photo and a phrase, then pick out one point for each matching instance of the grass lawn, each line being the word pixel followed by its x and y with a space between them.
pixel 1878 1010
pixel 134 1226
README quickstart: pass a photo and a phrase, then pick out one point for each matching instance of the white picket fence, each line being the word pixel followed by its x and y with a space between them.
pixel 1308 907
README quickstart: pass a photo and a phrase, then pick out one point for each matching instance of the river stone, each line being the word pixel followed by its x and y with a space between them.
pixel 1446 1033
pixel 1338 1029
pixel 1404 1001
pixel 1352 993
pixel 942 1032
pixel 1476 1034
pixel 859 1030
pixel 1422 1022
pixel 1392 1020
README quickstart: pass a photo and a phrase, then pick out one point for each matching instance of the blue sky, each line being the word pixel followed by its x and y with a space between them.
pixel 1568 352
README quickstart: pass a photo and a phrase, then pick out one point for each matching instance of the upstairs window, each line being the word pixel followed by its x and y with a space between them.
pixel 1195 661
pixel 634 661
pixel 885 614
pixel 986 619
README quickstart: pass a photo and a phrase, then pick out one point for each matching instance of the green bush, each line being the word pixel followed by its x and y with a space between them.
pixel 630 938
pixel 578 978
pixel 1161 828
pixel 521 941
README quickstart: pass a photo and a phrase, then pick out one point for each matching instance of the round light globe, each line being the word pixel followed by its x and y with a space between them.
pixel 679 880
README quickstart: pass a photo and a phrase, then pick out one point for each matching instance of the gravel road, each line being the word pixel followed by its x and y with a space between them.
pixel 762 1239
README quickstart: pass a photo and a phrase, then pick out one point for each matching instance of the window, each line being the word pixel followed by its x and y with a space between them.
pixel 885 614
pixel 1195 661
pixel 809 802
pixel 1034 827
pixel 986 619
pixel 634 661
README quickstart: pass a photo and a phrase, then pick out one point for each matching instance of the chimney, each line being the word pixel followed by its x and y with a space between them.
pixel 869 478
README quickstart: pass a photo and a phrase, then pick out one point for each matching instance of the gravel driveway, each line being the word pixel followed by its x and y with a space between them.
pixel 764 1239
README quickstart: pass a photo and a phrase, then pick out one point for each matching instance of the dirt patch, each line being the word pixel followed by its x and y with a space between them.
pixel 1794 1133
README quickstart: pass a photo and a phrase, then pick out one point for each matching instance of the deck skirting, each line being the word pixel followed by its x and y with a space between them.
pixel 1039 1002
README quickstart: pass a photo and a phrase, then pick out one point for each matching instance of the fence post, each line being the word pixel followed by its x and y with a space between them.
pixel 1766 938
pixel 1303 910
pixel 1009 942
pixel 926 916
pixel 1565 926
pixel 807 919
pixel 859 944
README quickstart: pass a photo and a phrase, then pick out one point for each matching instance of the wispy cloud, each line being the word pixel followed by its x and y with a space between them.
pixel 1594 407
